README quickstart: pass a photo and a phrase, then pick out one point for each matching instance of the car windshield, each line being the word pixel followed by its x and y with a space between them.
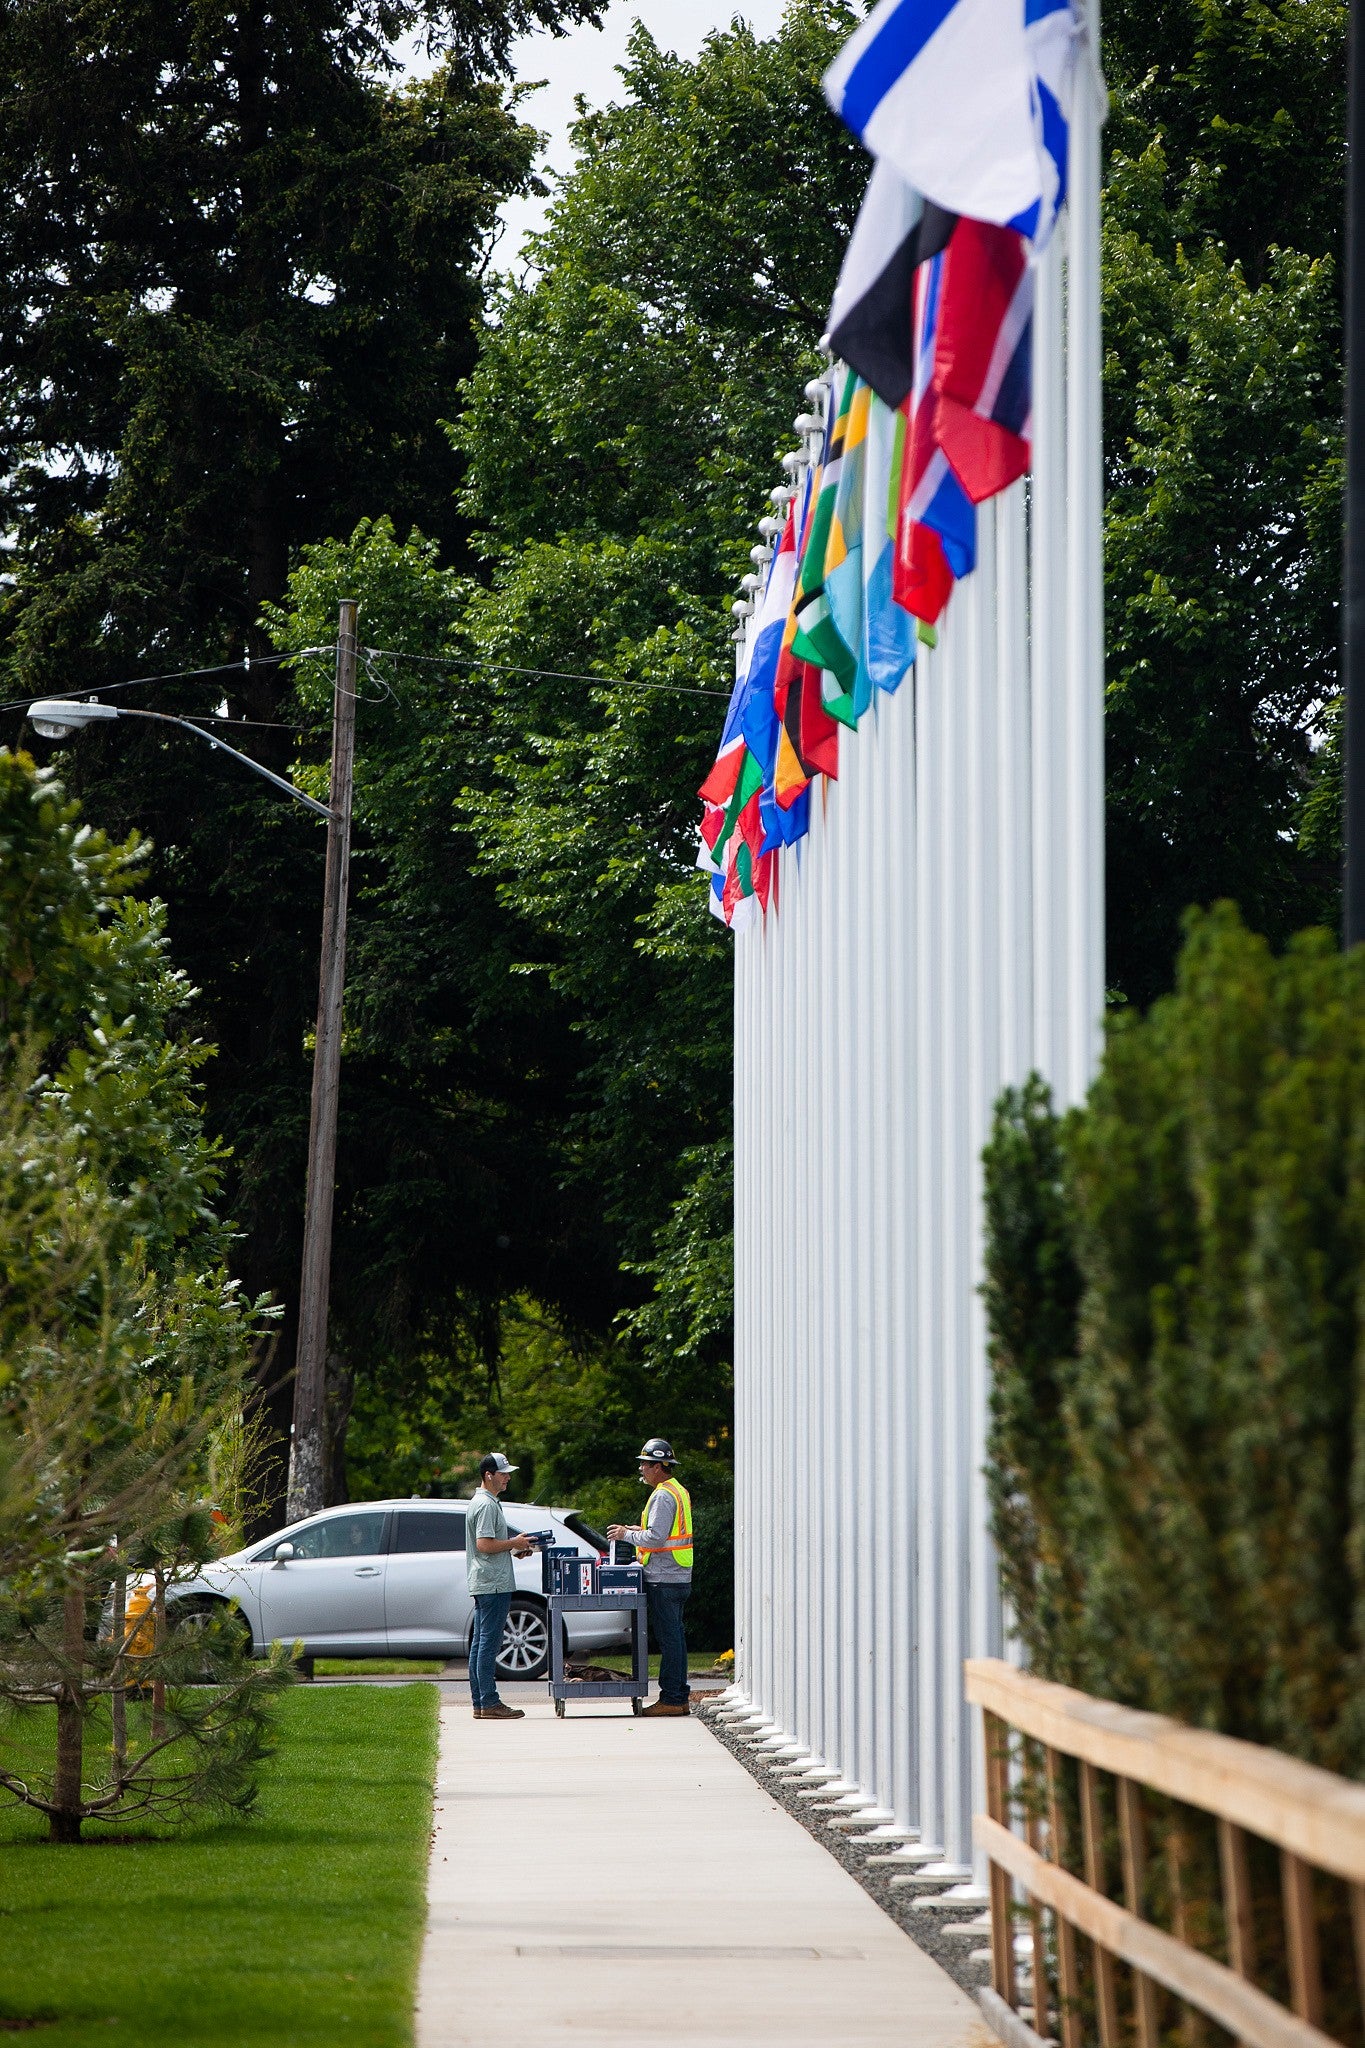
pixel 582 1527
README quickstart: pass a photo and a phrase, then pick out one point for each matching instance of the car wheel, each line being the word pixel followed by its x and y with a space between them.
pixel 524 1651
pixel 184 1616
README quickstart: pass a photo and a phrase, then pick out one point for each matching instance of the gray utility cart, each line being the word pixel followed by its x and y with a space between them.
pixel 575 1584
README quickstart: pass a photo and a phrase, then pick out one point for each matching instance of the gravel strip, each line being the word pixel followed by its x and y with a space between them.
pixel 951 1952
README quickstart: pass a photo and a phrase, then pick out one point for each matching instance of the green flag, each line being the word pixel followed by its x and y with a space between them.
pixel 818 640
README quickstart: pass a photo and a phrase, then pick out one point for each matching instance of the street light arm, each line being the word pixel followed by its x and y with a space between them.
pixel 167 718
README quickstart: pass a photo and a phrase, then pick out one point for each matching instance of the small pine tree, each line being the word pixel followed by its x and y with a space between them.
pixel 124 1345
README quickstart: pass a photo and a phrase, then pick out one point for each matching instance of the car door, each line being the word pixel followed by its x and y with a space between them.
pixel 426 1592
pixel 330 1594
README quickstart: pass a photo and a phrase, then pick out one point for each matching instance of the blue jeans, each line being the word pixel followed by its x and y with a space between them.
pixel 485 1638
pixel 666 1604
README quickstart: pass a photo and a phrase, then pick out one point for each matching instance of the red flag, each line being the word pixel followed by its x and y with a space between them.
pixel 982 357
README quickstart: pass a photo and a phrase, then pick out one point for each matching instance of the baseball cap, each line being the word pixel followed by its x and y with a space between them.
pixel 499 1462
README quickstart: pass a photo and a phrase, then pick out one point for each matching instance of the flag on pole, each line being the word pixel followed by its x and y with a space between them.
pixel 844 579
pixel 936 533
pixel 968 414
pixel 870 319
pixel 719 785
pixel 969 99
pixel 748 877
pixel 807 739
pixel 817 639
pixel 888 652
pixel 758 713
pixel 983 358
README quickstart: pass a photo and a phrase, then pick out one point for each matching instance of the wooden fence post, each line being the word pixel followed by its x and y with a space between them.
pixel 1002 1902
pixel 1092 1846
pixel 1133 1845
pixel 1301 1937
pixel 1068 1972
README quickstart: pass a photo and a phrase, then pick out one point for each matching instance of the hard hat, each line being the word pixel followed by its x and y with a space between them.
pixel 659 1451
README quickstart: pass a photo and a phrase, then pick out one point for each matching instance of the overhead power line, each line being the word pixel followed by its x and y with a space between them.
pixel 444 661
pixel 177 675
pixel 560 675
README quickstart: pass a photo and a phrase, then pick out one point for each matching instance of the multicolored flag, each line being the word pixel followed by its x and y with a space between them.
pixel 807 740
pixel 732 835
pixel 969 99
pixel 969 412
pixel 844 580
pixel 983 360
pixel 757 712
pixel 936 532
pixel 817 639
pixel 870 324
pixel 888 652
pixel 748 875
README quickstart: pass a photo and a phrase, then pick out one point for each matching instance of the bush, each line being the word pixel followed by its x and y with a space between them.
pixel 1176 1308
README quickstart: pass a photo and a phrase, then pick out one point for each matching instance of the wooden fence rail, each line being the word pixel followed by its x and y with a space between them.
pixel 1063 1832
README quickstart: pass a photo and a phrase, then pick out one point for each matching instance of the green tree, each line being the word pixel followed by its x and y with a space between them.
pixel 241 312
pixel 1222 405
pixel 124 1343
pixel 532 948
pixel 239 276
pixel 1176 1456
pixel 621 432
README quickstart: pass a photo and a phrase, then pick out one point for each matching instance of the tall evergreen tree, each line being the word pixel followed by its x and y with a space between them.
pixel 240 267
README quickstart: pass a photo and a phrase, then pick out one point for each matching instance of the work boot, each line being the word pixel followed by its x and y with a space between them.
pixel 501 1713
pixel 662 1708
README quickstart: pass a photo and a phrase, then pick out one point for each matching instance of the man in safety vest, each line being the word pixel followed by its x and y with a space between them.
pixel 663 1543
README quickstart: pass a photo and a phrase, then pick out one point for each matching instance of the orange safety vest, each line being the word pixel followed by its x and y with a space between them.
pixel 679 1551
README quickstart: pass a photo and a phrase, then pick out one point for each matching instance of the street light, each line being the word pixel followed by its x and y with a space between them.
pixel 58 718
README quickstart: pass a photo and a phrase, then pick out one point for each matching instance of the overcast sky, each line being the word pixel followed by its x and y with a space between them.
pixel 584 62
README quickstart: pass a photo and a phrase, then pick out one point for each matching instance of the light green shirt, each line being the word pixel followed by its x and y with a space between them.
pixel 487 1574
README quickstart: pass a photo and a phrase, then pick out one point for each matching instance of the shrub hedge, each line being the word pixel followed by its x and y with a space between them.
pixel 1175 1287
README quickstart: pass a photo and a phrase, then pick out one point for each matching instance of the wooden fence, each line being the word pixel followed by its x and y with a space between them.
pixel 1077 1791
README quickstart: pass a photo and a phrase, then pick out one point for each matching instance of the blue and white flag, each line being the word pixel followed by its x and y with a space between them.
pixel 969 99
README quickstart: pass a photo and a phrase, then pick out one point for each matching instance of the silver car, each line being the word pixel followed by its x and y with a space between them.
pixel 387 1579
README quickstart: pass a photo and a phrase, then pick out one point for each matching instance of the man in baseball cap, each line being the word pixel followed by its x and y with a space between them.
pixel 489 1551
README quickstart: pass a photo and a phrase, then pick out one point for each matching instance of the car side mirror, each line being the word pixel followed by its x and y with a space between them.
pixel 283 1553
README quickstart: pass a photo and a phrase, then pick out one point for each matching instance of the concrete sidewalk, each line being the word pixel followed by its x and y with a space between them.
pixel 609 1882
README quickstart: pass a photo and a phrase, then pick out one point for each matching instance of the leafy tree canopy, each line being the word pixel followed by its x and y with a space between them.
pixel 1222 400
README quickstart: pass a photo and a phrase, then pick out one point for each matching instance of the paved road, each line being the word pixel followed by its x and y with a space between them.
pixel 606 1881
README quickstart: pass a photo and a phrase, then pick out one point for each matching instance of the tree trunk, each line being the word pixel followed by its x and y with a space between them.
pixel 65 1824
pixel 118 1696
pixel 158 1643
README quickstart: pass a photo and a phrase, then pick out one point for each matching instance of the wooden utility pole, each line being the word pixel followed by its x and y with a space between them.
pixel 1353 592
pixel 307 1449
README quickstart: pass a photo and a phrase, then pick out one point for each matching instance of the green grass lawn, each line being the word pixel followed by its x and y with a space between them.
pixel 376 1667
pixel 300 1926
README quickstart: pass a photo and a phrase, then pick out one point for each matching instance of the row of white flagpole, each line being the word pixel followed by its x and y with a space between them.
pixel 938 934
